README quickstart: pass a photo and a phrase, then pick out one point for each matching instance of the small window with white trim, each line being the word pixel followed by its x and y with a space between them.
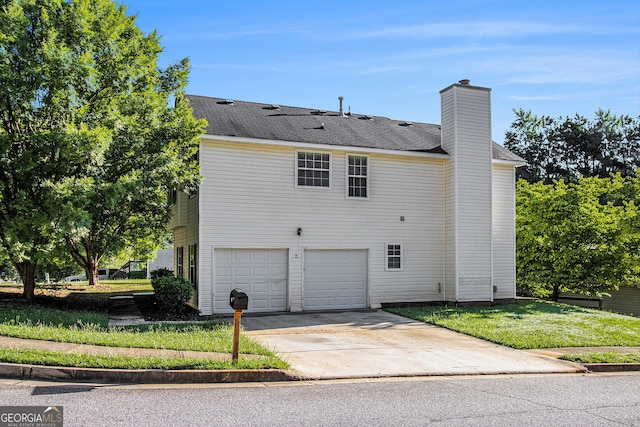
pixel 358 176
pixel 394 257
pixel 313 169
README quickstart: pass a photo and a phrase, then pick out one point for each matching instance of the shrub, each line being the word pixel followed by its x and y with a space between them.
pixel 136 275
pixel 161 272
pixel 172 292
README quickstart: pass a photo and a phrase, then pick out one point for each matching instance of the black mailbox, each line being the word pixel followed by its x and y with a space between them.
pixel 238 300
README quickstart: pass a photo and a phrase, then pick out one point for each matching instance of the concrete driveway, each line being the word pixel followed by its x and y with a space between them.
pixel 367 344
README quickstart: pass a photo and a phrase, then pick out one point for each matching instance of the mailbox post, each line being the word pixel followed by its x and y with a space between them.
pixel 238 300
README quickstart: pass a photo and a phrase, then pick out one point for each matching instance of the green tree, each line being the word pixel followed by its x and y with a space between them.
pixel 566 148
pixel 90 146
pixel 580 237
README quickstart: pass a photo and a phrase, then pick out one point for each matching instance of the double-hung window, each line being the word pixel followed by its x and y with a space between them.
pixel 193 269
pixel 180 262
pixel 357 176
pixel 313 169
pixel 394 257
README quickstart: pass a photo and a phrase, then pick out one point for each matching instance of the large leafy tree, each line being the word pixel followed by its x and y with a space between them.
pixel 581 237
pixel 566 148
pixel 90 145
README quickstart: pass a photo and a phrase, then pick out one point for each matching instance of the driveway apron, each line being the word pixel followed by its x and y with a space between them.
pixel 374 343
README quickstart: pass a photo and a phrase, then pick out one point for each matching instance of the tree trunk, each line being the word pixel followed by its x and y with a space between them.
pixel 92 271
pixel 27 271
pixel 556 293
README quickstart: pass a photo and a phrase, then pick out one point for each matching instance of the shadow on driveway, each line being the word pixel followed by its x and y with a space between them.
pixel 374 343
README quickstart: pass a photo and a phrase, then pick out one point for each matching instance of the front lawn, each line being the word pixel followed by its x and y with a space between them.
pixel 58 318
pixel 534 324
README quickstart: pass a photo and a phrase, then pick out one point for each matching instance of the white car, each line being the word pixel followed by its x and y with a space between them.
pixel 103 274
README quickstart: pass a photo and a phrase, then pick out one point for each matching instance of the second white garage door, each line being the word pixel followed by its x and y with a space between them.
pixel 261 273
pixel 335 279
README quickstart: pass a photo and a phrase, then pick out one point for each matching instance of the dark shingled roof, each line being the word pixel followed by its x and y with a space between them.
pixel 295 124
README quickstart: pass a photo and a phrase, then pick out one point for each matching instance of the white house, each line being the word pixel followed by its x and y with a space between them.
pixel 314 210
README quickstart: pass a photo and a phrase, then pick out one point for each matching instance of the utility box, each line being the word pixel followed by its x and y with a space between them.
pixel 238 300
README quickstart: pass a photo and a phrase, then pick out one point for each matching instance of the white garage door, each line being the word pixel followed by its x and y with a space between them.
pixel 261 273
pixel 335 279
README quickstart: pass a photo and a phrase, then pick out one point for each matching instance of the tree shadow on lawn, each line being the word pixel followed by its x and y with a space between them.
pixel 517 310
pixel 69 302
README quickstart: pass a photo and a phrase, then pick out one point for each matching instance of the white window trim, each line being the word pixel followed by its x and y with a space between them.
pixel 311 187
pixel 386 256
pixel 346 176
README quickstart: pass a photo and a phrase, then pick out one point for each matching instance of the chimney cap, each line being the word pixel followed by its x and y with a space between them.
pixel 464 82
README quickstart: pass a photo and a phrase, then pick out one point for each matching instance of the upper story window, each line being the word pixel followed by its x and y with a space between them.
pixel 357 176
pixel 313 169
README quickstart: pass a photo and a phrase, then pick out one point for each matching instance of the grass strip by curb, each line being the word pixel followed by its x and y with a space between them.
pixel 52 358
pixel 602 357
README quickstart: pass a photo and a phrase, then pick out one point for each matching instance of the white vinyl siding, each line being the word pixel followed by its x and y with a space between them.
pixel 271 216
pixel 466 136
pixel 504 232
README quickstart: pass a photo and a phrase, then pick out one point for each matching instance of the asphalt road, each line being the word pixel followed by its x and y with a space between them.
pixel 533 400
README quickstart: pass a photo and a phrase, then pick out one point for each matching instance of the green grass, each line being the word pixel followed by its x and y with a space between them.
pixel 50 358
pixel 18 313
pixel 603 357
pixel 534 324
pixel 91 328
pixel 30 321
pixel 105 289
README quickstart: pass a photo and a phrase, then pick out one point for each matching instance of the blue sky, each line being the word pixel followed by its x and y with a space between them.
pixel 391 58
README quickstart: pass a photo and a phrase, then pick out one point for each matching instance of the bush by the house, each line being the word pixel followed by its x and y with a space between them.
pixel 161 272
pixel 172 292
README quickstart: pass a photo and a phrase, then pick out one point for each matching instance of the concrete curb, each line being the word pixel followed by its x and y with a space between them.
pixel 160 376
pixel 142 376
pixel 612 367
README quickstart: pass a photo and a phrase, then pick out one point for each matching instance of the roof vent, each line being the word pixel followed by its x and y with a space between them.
pixel 405 124
pixel 321 127
pixel 341 112
pixel 464 82
pixel 271 107
pixel 365 118
pixel 226 102
pixel 318 112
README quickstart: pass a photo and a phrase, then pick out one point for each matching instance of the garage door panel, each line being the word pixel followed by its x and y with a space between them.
pixel 261 273
pixel 279 270
pixel 335 279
